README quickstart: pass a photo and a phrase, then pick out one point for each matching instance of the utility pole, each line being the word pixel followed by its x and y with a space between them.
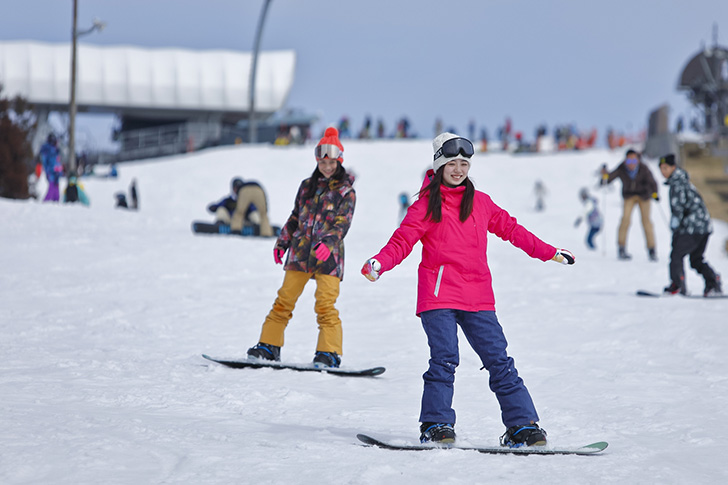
pixel 72 107
pixel 75 34
pixel 252 125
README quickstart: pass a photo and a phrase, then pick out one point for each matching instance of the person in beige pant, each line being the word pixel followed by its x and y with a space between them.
pixel 251 193
pixel 246 204
pixel 638 188
pixel 644 206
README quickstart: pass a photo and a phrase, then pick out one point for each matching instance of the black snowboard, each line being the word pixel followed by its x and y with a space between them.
pixel 493 450
pixel 651 294
pixel 199 227
pixel 258 364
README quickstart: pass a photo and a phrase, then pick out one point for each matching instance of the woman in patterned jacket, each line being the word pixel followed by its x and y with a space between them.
pixel 313 236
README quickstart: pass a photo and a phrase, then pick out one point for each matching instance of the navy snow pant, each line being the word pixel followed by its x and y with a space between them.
pixel 593 231
pixel 485 336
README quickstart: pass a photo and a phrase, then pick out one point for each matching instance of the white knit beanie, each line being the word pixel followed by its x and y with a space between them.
pixel 437 144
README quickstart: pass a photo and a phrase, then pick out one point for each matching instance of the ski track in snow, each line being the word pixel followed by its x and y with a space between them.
pixel 104 314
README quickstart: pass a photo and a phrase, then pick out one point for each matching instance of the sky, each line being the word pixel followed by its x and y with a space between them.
pixel 593 64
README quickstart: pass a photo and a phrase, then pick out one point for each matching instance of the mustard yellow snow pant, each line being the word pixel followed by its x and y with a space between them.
pixel 629 204
pixel 329 323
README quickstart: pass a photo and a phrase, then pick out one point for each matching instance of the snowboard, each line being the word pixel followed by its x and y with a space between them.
pixel 248 230
pixel 261 364
pixel 493 450
pixel 651 294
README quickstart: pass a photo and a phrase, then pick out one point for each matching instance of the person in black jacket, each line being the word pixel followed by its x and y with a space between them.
pixel 638 188
pixel 691 228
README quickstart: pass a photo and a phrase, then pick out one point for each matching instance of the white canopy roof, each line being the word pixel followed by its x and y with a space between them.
pixel 118 77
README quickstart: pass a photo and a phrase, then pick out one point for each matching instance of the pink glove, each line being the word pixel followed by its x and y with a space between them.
pixel 278 255
pixel 322 251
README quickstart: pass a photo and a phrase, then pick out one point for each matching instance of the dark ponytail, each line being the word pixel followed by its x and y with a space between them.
pixel 434 204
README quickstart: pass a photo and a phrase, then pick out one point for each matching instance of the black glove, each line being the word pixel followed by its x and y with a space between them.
pixel 212 208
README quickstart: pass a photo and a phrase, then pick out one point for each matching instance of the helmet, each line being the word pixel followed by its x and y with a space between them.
pixel 52 139
pixel 236 184
pixel 583 194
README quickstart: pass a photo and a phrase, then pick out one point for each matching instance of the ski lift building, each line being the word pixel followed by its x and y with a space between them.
pixel 205 90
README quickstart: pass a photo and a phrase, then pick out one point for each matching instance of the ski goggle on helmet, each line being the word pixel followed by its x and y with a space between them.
pixel 454 147
pixel 328 151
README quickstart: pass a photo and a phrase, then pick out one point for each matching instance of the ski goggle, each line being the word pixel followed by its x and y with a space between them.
pixel 328 151
pixel 454 147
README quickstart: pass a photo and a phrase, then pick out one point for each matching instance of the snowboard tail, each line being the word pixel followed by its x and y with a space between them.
pixel 493 450
pixel 262 364
pixel 224 229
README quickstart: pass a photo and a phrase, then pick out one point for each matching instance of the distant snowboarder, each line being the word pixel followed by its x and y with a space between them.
pixel 691 228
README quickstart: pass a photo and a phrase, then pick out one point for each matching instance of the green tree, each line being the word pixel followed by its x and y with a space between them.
pixel 16 155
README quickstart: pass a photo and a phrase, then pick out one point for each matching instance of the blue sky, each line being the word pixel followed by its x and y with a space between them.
pixel 595 64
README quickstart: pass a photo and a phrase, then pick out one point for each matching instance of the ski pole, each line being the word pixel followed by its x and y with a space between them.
pixel 604 212
pixel 662 213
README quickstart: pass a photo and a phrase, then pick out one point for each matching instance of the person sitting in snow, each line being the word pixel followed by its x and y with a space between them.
pixel 592 215
pixel 691 227
pixel 452 221
pixel 246 204
pixel 75 191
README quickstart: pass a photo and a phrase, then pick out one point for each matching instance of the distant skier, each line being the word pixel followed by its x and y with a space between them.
pixel 50 158
pixel 691 229
pixel 638 188
pixel 404 204
pixel 592 215
pixel 452 221
pixel 314 239
pixel 134 195
pixel 540 191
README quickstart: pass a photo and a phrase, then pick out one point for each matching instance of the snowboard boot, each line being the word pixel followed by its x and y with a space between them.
pixel 524 435
pixel 652 255
pixel 437 433
pixel 326 359
pixel 713 288
pixel 265 352
pixel 675 288
pixel 623 254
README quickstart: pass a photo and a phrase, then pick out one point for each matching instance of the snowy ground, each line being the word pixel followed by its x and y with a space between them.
pixel 104 314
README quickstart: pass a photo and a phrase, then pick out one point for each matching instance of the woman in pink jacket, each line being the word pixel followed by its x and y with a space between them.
pixel 452 220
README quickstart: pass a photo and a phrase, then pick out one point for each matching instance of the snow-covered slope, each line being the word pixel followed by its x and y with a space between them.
pixel 104 314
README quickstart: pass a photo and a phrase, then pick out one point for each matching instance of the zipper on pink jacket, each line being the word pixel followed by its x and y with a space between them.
pixel 439 279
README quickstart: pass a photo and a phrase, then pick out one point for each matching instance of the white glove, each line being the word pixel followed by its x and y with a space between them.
pixel 564 256
pixel 371 269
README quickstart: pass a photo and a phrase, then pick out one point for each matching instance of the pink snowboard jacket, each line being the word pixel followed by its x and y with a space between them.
pixel 454 271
